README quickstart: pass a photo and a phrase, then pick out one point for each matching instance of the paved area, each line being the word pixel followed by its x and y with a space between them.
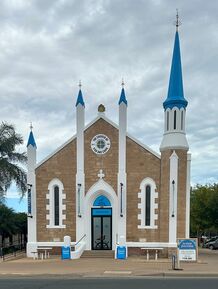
pixel 96 267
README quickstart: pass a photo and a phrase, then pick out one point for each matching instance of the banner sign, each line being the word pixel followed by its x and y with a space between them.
pixel 65 252
pixel 121 252
pixel 29 204
pixel 187 249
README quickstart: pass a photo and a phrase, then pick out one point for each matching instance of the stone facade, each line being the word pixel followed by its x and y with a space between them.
pixel 107 162
pixel 61 165
pixel 140 163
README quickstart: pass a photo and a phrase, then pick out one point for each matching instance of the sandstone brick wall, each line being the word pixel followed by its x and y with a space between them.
pixel 140 164
pixel 181 217
pixel 62 166
pixel 181 198
pixel 107 162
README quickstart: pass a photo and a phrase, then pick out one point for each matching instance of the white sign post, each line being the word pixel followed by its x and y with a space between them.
pixel 187 250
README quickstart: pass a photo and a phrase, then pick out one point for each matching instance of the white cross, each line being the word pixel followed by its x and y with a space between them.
pixel 101 174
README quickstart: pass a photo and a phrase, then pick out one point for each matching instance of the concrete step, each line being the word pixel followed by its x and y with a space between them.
pixel 98 254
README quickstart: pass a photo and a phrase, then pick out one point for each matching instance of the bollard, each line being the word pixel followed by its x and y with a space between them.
pixel 173 262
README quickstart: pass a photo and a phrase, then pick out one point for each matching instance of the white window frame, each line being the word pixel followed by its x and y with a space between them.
pixel 142 204
pixel 50 206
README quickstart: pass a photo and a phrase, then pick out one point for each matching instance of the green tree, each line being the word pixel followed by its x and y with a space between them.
pixel 21 226
pixel 204 209
pixel 10 160
pixel 7 223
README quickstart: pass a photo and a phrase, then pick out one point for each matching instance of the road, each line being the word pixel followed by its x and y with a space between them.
pixel 112 283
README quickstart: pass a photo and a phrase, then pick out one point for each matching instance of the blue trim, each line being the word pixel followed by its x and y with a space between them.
pixel 102 212
pixel 31 140
pixel 80 99
pixel 122 97
pixel 101 201
pixel 175 96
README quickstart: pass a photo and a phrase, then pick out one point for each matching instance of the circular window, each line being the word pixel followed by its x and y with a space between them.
pixel 100 144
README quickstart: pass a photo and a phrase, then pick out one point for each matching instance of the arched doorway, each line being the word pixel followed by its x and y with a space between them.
pixel 101 222
pixel 98 189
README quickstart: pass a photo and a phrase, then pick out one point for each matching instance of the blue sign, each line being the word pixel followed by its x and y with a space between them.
pixel 65 253
pixel 187 244
pixel 101 212
pixel 29 205
pixel 121 252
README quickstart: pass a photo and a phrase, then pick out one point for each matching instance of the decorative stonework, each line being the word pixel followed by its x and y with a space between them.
pixel 100 144
pixel 50 205
pixel 153 204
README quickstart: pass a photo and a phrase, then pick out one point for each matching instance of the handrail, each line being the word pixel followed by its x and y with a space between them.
pixel 80 240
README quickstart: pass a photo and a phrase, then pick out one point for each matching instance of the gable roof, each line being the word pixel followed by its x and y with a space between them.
pixel 101 115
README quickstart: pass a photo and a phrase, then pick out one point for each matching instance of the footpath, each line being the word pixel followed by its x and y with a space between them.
pixel 207 266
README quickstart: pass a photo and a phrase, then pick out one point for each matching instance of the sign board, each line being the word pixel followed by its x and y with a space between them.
pixel 102 212
pixel 187 249
pixel 65 253
pixel 121 252
pixel 29 205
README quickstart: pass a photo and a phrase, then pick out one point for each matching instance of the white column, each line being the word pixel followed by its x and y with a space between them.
pixel 173 185
pixel 188 177
pixel 122 171
pixel 31 179
pixel 80 178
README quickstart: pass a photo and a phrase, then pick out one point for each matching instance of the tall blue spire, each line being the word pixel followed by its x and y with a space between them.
pixel 31 140
pixel 175 97
pixel 122 95
pixel 80 96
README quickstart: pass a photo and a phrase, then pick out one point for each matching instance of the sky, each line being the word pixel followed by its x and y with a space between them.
pixel 48 46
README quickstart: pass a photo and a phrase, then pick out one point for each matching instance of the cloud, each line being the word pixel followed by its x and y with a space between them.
pixel 47 46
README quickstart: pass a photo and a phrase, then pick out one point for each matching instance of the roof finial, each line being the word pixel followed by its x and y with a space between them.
pixel 177 22
pixel 122 83
pixel 31 126
pixel 80 84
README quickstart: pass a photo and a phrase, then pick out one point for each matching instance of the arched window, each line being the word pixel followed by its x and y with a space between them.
pixel 174 123
pixel 56 206
pixel 102 201
pixel 148 205
pixel 182 113
pixel 168 120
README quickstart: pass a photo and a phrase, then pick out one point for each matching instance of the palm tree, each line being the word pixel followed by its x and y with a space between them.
pixel 10 160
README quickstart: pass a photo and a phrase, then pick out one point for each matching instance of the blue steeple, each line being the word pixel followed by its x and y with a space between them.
pixel 175 97
pixel 80 96
pixel 122 95
pixel 31 140
pixel 80 99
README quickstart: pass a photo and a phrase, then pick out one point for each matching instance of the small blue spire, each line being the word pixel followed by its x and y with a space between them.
pixel 31 140
pixel 80 99
pixel 122 95
pixel 175 95
pixel 80 96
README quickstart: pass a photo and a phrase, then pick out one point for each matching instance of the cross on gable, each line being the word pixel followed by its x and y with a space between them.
pixel 101 175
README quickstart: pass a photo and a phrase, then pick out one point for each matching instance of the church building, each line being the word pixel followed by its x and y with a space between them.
pixel 103 187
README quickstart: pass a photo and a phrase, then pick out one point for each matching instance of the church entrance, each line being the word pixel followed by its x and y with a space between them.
pixel 101 224
pixel 101 229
